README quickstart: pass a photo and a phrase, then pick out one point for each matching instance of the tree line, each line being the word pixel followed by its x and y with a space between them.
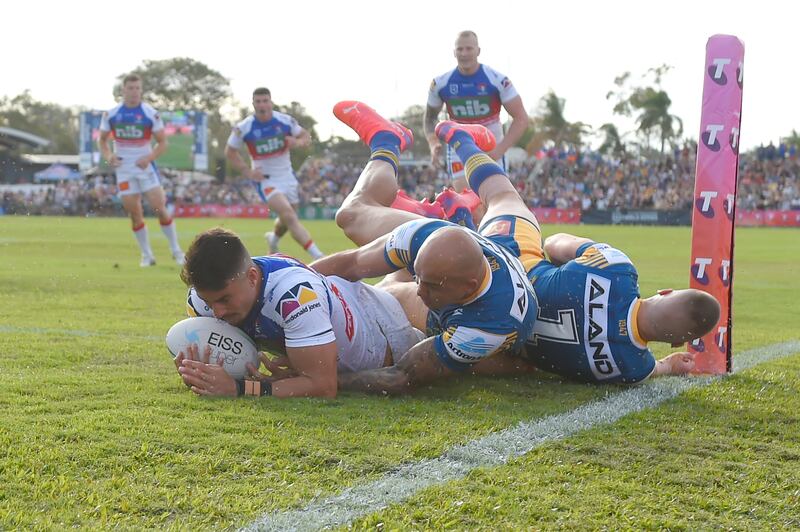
pixel 182 83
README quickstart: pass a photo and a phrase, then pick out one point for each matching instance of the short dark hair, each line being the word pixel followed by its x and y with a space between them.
pixel 262 91
pixel 131 77
pixel 215 258
pixel 467 33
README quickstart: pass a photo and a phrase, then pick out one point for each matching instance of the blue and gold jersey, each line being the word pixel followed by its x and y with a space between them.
pixel 496 319
pixel 586 328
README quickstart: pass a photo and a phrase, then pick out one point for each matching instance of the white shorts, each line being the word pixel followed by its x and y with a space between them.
pixel 456 168
pixel 133 180
pixel 382 326
pixel 286 185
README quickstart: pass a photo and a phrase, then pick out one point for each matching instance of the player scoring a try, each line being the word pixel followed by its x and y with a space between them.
pixel 320 325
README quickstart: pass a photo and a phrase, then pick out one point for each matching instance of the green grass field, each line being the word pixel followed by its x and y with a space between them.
pixel 179 153
pixel 97 431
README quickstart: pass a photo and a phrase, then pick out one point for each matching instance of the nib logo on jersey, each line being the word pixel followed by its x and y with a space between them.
pixel 470 107
pixel 298 300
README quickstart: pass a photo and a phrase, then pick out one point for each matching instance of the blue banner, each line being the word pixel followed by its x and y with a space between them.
pixel 89 132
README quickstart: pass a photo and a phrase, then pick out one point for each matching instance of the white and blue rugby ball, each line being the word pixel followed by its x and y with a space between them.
pixel 227 342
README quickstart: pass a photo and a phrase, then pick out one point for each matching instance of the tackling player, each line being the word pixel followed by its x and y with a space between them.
pixel 592 325
pixel 322 325
pixel 481 304
pixel 269 135
pixel 474 94
pixel 132 124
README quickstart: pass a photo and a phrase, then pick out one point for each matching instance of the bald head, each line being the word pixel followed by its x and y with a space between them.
pixel 468 34
pixel 450 267
pixel 678 316
pixel 466 52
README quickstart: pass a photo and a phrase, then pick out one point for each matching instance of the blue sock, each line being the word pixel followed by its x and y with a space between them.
pixel 477 165
pixel 385 146
pixel 462 216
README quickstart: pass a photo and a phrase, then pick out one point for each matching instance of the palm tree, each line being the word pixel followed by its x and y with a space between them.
pixel 552 125
pixel 653 106
pixel 612 142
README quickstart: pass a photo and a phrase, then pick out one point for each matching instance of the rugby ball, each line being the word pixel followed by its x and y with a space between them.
pixel 227 342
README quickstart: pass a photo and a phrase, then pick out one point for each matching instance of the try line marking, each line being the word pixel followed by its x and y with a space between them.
pixel 496 449
pixel 10 329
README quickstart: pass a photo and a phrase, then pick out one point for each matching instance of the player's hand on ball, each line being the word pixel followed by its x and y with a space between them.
pixel 114 161
pixel 204 378
pixel 191 353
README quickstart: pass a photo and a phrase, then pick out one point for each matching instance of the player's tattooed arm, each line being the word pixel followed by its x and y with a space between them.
pixel 418 366
pixel 502 364
pixel 429 122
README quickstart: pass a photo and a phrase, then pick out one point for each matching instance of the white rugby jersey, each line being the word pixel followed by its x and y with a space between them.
pixel 297 307
pixel 474 99
pixel 132 129
pixel 266 142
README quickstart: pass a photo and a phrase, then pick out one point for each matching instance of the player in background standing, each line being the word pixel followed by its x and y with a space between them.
pixel 269 135
pixel 132 124
pixel 474 94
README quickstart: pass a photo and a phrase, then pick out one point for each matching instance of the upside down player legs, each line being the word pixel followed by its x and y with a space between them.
pixel 593 325
pixel 479 304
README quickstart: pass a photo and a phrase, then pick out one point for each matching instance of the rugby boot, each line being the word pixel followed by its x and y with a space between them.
pixel 483 138
pixel 365 121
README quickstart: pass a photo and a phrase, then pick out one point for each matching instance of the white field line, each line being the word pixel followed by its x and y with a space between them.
pixel 496 449
pixel 10 329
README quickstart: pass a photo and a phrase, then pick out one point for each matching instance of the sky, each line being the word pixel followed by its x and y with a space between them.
pixel 386 54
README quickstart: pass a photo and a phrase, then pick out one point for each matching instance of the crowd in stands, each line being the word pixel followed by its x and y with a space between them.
pixel 768 179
